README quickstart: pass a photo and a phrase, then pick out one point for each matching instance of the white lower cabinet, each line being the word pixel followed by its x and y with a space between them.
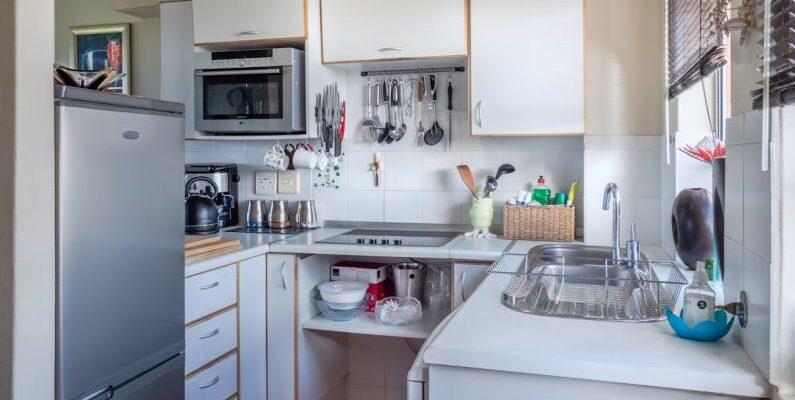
pixel 219 381
pixel 252 346
pixel 467 277
pixel 281 345
pixel 209 340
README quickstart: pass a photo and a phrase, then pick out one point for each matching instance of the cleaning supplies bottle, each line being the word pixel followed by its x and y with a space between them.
pixel 699 302
pixel 542 193
pixel 715 279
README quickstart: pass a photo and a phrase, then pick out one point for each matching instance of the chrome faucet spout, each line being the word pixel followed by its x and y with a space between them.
pixel 612 193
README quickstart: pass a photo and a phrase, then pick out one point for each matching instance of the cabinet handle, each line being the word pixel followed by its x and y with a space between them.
pixel 210 286
pixel 386 49
pixel 478 115
pixel 211 334
pixel 463 286
pixel 284 280
pixel 247 33
pixel 210 383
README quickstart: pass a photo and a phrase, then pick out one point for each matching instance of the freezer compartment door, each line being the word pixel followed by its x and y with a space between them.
pixel 120 245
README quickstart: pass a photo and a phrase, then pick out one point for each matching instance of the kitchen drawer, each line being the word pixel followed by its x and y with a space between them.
pixel 210 339
pixel 219 382
pixel 209 292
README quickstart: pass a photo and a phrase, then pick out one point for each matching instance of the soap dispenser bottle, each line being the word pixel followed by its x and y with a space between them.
pixel 541 192
pixel 699 302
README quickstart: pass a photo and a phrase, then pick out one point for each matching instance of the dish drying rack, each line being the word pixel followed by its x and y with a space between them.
pixel 583 288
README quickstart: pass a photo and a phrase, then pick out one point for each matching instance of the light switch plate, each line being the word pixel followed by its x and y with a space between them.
pixel 289 182
pixel 265 183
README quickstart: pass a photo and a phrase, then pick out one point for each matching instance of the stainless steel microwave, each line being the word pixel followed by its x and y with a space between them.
pixel 250 92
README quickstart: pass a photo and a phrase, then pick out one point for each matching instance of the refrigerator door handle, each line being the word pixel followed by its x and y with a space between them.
pixel 210 286
pixel 104 393
pixel 210 383
pixel 211 334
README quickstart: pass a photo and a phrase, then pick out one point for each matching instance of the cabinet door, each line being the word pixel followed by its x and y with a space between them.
pixel 253 345
pixel 527 67
pixel 468 276
pixel 281 295
pixel 366 30
pixel 216 21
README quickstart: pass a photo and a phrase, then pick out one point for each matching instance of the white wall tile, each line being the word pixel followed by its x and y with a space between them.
pixel 648 221
pixel 230 145
pixel 733 269
pixel 529 165
pixel 366 366
pixel 733 207
pixel 442 207
pixel 402 171
pixel 365 206
pixel 756 335
pixel 439 172
pixel 398 363
pixel 756 202
pixel 605 166
pixel 199 145
pixel 647 173
pixel 403 206
pixel 358 392
pixel 198 157
pixel 230 157
pixel 358 171
pixel 331 204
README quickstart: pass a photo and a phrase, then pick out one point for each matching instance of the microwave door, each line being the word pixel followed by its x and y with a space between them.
pixel 254 100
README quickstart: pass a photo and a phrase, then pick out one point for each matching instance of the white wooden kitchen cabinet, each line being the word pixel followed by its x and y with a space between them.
pixel 252 308
pixel 231 21
pixel 467 277
pixel 526 65
pixel 376 30
pixel 282 326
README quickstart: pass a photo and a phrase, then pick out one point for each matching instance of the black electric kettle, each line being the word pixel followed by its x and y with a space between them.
pixel 201 212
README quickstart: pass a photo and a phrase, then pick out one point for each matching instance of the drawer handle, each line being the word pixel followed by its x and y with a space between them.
pixel 463 286
pixel 210 383
pixel 386 49
pixel 210 286
pixel 284 280
pixel 247 33
pixel 211 334
pixel 478 113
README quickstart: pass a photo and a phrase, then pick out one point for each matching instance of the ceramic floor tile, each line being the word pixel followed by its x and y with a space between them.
pixel 361 392
pixel 366 366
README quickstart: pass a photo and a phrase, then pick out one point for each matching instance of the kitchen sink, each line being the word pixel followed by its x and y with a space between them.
pixel 581 281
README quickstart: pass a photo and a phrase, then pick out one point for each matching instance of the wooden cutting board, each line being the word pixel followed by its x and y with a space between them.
pixel 192 241
pixel 209 247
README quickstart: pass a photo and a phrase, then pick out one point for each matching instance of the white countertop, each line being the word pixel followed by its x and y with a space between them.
pixel 486 335
pixel 254 244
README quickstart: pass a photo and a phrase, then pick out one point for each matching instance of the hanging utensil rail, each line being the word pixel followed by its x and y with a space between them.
pixel 412 71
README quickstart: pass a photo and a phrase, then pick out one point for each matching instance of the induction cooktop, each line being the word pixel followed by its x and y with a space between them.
pixel 371 237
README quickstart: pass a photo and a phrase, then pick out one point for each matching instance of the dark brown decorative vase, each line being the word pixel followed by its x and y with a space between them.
pixel 692 222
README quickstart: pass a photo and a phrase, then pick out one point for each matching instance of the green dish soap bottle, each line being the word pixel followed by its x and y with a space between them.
pixel 542 193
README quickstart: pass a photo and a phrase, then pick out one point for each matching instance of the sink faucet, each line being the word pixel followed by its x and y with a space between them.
pixel 611 191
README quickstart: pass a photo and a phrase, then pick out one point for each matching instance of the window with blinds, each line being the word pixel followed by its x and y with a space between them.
pixel 782 53
pixel 696 45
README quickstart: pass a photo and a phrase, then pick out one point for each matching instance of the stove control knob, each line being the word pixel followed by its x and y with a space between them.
pixel 373 241
pixel 385 241
pixel 360 241
pixel 397 242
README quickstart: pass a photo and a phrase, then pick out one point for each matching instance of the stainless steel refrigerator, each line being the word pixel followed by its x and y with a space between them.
pixel 120 263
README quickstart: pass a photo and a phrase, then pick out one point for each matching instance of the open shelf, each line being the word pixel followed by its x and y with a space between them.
pixel 365 324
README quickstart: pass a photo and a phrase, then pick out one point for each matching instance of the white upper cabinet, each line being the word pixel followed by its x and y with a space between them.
pixel 225 21
pixel 527 67
pixel 371 30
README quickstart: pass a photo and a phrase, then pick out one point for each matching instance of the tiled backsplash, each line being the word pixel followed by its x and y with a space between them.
pixel 419 183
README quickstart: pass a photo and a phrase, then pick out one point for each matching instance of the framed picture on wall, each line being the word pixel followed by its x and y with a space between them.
pixel 103 46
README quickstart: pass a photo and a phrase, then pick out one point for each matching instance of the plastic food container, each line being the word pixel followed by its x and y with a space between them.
pixel 340 311
pixel 398 310
pixel 342 292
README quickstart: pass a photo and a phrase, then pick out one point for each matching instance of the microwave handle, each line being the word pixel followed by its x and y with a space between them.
pixel 239 72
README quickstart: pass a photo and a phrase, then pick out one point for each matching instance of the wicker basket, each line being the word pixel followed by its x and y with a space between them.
pixel 554 223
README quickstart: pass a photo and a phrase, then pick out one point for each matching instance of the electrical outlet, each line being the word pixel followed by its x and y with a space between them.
pixel 265 183
pixel 289 182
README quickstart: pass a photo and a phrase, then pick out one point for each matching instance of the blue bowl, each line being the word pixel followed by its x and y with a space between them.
pixel 707 331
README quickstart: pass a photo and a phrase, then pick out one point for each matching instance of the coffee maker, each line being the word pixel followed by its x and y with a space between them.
pixel 226 178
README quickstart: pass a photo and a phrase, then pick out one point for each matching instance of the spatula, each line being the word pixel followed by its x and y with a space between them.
pixel 469 180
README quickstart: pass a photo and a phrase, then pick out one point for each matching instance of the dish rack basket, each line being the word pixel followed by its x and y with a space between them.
pixel 583 288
